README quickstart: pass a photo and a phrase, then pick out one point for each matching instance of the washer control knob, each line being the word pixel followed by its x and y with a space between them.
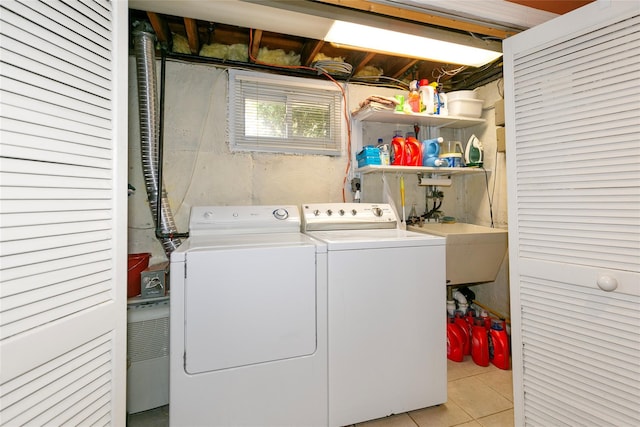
pixel 208 215
pixel 281 213
pixel 377 211
pixel 354 212
pixel 329 212
pixel 316 212
pixel 341 212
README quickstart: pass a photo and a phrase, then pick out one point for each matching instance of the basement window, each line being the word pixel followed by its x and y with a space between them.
pixel 282 114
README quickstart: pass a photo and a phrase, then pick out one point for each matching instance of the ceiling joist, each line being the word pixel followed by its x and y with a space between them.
pixel 191 27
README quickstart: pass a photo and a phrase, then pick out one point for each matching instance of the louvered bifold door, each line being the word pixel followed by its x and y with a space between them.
pixel 62 219
pixel 573 104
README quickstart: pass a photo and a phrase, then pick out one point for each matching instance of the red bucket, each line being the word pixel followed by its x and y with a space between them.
pixel 137 263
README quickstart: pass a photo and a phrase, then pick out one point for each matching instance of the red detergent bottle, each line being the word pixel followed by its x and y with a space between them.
pixel 412 150
pixel 480 343
pixel 466 331
pixel 486 318
pixel 499 345
pixel 470 318
pixel 398 156
pixel 454 341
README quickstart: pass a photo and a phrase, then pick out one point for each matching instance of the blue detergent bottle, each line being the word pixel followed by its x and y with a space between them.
pixel 431 151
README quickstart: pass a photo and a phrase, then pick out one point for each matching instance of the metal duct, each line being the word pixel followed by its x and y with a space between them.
pixel 144 47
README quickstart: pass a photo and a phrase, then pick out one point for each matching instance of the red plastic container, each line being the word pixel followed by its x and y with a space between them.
pixel 136 264
pixel 480 344
pixel 412 151
pixel 486 319
pixel 454 341
pixel 398 156
pixel 499 346
pixel 466 331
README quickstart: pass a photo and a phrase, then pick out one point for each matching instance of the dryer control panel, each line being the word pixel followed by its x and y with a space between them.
pixel 347 216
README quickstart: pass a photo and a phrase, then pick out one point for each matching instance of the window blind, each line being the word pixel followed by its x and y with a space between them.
pixel 284 114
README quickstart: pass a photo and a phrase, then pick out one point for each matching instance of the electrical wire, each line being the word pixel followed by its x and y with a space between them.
pixel 333 67
pixel 400 84
pixel 500 85
pixel 444 72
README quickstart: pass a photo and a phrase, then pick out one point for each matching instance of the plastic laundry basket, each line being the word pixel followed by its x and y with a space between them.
pixel 137 263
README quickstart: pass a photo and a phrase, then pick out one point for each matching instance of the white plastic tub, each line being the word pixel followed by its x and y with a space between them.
pixel 465 107
pixel 462 94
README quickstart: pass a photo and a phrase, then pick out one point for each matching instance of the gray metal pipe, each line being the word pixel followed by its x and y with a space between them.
pixel 144 48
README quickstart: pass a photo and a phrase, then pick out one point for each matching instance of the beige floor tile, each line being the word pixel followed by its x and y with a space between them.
pixel 472 423
pixel 464 369
pixel 499 380
pixel 477 398
pixel 446 415
pixel 400 420
pixel 501 419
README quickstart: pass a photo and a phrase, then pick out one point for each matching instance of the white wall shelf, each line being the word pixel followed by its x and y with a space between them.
pixel 396 117
pixel 418 170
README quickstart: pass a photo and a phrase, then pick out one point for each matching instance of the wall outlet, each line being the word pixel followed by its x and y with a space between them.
pixel 355 185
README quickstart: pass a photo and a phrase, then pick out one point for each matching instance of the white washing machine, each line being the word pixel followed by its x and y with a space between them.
pixel 248 320
pixel 387 341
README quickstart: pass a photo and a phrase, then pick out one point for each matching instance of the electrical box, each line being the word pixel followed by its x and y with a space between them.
pixel 499 109
pixel 501 140
pixel 155 280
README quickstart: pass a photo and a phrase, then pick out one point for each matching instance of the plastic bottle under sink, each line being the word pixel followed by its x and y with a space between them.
pixel 480 344
pixel 455 339
pixel 462 323
pixel 498 345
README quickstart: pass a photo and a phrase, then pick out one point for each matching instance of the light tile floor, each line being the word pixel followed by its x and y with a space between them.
pixel 477 397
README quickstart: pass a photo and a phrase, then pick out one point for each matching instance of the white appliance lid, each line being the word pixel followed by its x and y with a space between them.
pixel 245 240
pixel 380 238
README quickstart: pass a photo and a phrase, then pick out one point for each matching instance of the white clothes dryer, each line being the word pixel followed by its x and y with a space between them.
pixel 248 324
pixel 387 331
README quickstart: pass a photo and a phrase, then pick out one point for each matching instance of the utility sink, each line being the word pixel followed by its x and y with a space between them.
pixel 474 252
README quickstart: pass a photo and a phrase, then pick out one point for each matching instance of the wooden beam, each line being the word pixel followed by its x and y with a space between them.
pixel 160 26
pixel 255 45
pixel 191 27
pixel 309 51
pixel 400 73
pixel 425 18
pixel 363 62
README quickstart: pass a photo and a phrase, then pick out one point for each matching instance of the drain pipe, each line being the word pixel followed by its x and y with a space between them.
pixel 463 304
pixel 150 136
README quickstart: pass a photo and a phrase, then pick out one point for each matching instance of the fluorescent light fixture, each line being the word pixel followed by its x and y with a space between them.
pixel 403 44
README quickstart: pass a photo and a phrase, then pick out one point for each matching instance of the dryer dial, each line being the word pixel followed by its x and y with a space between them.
pixel 281 213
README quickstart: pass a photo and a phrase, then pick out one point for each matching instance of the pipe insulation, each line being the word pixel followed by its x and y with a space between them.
pixel 149 111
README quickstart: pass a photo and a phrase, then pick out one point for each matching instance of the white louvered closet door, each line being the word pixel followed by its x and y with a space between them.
pixel 572 93
pixel 63 212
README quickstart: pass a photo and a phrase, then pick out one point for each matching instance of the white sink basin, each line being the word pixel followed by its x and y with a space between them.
pixel 474 252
